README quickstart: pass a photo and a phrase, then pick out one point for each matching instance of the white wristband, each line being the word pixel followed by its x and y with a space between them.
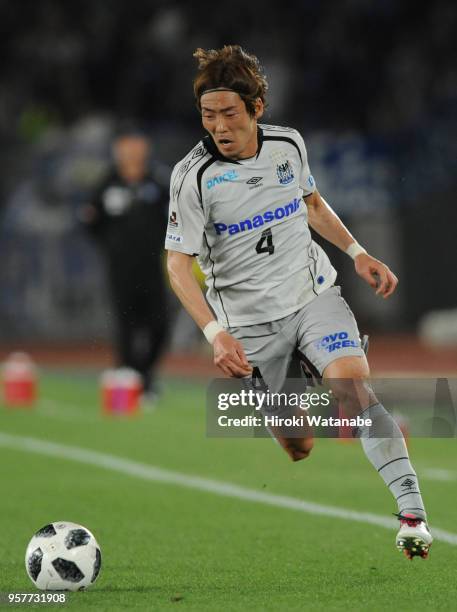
pixel 211 330
pixel 355 249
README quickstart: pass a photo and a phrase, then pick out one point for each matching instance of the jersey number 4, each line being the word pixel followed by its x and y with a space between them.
pixel 265 244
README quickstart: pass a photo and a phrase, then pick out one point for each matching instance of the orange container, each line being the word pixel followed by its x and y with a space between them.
pixel 121 391
pixel 20 386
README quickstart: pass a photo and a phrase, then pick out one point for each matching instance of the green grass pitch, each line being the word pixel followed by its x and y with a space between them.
pixel 169 547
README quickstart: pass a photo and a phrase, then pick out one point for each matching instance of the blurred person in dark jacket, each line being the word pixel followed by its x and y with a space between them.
pixel 127 216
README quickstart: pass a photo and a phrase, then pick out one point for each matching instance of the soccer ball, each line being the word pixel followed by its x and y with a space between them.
pixel 63 556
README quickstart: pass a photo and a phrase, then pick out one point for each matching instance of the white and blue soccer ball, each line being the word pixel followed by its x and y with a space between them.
pixel 63 556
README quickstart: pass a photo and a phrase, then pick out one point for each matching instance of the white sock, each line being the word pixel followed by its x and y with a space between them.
pixel 385 447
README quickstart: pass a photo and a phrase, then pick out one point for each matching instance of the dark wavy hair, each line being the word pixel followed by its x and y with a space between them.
pixel 230 67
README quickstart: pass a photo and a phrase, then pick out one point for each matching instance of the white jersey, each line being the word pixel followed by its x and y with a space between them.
pixel 247 223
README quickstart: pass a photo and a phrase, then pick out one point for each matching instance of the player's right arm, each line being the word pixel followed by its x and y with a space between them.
pixel 187 289
pixel 229 354
pixel 183 241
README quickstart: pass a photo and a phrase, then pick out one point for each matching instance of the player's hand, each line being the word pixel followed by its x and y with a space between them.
pixel 376 274
pixel 229 356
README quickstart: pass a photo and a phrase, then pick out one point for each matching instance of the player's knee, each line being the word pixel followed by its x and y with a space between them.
pixel 355 368
pixel 352 390
pixel 354 399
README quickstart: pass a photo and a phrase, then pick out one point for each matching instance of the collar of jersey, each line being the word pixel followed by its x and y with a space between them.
pixel 214 151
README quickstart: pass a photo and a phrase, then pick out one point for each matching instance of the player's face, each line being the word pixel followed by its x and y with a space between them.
pixel 233 129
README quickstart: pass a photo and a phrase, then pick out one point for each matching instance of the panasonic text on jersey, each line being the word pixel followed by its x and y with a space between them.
pixel 258 220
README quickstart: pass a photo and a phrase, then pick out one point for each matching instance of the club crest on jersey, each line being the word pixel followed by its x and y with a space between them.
pixel 284 172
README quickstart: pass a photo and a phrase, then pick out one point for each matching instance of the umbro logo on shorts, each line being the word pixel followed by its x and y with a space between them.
pixel 254 180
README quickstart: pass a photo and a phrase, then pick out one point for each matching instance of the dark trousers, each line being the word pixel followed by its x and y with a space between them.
pixel 141 320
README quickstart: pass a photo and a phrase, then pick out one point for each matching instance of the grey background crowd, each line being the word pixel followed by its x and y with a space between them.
pixel 372 86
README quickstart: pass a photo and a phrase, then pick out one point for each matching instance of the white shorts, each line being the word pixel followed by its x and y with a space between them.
pixel 322 331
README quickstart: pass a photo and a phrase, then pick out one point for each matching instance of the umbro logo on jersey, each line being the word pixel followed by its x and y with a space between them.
pixel 408 484
pixel 254 180
pixel 198 152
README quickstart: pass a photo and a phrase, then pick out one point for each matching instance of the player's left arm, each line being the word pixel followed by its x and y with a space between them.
pixel 327 224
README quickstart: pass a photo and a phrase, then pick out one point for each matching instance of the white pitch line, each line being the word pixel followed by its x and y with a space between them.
pixel 439 474
pixel 63 411
pixel 155 474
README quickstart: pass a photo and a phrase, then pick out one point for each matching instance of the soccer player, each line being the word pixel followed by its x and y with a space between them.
pixel 242 201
